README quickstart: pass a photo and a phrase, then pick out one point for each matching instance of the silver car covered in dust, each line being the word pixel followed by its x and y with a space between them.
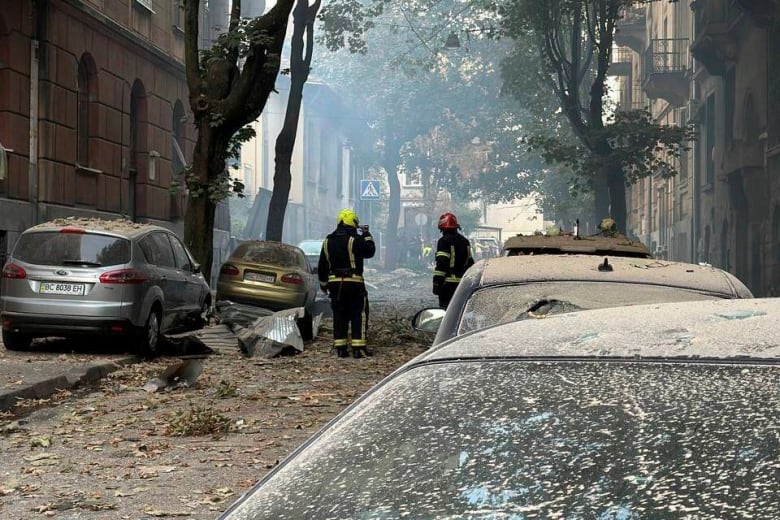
pixel 74 277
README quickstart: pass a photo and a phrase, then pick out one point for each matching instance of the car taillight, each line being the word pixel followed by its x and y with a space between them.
pixel 76 231
pixel 123 276
pixel 293 278
pixel 11 270
pixel 229 270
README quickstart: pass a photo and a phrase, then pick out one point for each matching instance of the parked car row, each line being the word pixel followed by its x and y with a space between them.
pixel 650 390
pixel 116 278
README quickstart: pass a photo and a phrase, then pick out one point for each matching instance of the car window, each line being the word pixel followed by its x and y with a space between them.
pixel 55 248
pixel 270 253
pixel 519 439
pixel 147 247
pixel 180 254
pixel 162 250
pixel 506 303
pixel 311 247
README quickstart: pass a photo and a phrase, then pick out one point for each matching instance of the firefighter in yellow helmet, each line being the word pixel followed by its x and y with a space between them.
pixel 340 271
pixel 453 257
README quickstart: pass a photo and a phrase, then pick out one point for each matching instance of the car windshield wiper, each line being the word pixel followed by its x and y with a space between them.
pixel 81 262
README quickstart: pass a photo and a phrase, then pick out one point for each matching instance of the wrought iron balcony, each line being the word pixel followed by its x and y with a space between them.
pixel 620 64
pixel 665 70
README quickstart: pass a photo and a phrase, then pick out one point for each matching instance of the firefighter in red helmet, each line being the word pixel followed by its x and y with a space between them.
pixel 453 257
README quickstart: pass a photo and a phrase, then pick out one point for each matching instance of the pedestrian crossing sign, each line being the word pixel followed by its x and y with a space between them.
pixel 369 189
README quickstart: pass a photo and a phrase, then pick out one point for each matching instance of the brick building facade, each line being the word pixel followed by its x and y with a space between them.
pixel 93 111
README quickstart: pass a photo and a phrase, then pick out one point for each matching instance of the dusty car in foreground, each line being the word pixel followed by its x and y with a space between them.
pixel 653 411
pixel 72 277
pixel 562 244
pixel 500 290
pixel 271 275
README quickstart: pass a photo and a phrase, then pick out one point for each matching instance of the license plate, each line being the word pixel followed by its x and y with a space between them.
pixel 76 289
pixel 258 277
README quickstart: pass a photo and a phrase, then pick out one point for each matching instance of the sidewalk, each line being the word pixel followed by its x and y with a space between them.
pixel 39 375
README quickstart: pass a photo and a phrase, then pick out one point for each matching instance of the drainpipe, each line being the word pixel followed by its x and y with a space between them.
pixel 37 69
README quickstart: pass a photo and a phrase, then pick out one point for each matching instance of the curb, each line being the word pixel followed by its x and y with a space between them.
pixel 72 378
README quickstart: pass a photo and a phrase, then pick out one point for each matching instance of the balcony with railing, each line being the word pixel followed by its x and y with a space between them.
pixel 620 64
pixel 712 34
pixel 665 70
pixel 631 30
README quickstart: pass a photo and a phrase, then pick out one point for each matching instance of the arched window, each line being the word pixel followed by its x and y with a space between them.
pixel 87 95
pixel 138 119
pixel 138 142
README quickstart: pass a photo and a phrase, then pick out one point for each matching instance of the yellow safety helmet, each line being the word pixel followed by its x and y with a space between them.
pixel 348 218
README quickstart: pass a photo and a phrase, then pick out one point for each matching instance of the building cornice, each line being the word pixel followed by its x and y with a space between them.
pixel 112 28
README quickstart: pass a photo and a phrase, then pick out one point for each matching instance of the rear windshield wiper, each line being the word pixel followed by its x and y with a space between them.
pixel 81 262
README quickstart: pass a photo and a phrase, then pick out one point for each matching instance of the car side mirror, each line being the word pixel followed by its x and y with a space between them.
pixel 195 267
pixel 428 320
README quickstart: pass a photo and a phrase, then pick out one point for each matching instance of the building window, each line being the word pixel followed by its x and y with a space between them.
pixel 710 141
pixel 177 14
pixel 142 17
pixel 87 86
pixel 730 100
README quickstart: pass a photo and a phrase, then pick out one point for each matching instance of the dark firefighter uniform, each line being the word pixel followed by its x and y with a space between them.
pixel 453 258
pixel 340 270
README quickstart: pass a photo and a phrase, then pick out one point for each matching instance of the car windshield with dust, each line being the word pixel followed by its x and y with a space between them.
pixel 58 248
pixel 536 439
pixel 270 254
pixel 507 303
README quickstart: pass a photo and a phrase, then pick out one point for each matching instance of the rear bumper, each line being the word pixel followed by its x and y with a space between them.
pixel 267 298
pixel 65 325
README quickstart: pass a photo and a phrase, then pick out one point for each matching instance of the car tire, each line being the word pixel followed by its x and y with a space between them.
pixel 147 343
pixel 16 341
pixel 306 326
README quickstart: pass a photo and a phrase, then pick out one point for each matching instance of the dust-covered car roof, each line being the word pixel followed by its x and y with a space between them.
pixel 572 244
pixel 723 329
pixel 591 268
pixel 120 227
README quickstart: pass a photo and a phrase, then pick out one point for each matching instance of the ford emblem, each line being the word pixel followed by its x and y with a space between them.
pixel 62 272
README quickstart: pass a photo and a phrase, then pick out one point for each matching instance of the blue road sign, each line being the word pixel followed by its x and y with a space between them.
pixel 370 189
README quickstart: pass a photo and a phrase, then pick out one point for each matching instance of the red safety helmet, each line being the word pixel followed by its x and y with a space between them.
pixel 448 221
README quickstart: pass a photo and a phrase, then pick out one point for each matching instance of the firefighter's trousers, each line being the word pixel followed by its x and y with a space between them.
pixel 349 301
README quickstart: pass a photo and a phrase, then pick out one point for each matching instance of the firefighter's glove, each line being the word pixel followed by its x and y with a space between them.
pixel 436 286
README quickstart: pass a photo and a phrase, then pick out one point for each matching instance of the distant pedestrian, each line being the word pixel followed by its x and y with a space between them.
pixel 340 270
pixel 453 258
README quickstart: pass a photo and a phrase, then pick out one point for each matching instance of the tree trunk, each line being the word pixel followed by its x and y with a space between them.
pixel 609 190
pixel 617 197
pixel 208 162
pixel 392 159
pixel 300 64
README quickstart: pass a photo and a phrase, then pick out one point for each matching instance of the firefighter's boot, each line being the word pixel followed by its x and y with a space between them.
pixel 358 352
pixel 342 351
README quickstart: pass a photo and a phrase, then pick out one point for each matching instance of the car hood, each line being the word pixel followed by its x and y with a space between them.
pixel 724 329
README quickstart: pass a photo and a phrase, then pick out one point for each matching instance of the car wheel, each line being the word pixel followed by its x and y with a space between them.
pixel 306 326
pixel 16 341
pixel 150 336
